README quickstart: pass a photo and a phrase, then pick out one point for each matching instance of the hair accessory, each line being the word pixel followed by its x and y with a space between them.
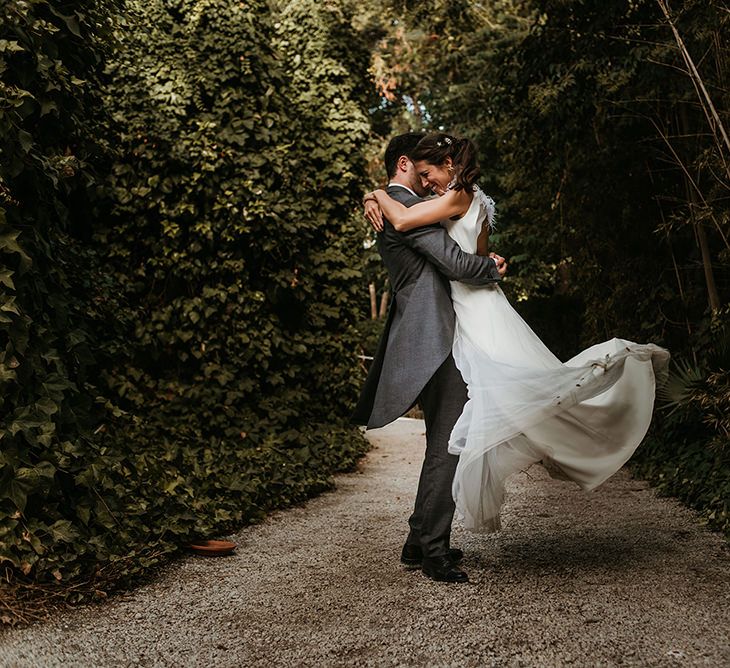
pixel 448 140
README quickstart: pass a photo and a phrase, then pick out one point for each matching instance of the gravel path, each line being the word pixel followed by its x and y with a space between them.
pixel 615 577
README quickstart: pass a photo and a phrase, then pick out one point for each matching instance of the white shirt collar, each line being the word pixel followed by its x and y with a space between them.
pixel 400 185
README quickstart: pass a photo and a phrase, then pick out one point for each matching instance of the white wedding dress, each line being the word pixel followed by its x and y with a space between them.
pixel 581 419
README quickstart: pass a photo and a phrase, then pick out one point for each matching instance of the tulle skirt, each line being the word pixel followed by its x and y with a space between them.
pixel 582 419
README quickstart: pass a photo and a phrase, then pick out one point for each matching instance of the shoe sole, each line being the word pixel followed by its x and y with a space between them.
pixel 435 578
pixel 412 564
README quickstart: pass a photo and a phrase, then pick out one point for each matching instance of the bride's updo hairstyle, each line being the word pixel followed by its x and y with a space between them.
pixel 435 148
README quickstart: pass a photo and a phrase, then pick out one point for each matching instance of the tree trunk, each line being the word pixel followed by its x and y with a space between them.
pixel 384 304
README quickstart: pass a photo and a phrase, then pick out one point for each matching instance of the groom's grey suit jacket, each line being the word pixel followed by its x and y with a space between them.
pixel 419 331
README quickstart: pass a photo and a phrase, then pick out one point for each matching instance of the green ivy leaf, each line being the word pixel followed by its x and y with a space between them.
pixel 28 480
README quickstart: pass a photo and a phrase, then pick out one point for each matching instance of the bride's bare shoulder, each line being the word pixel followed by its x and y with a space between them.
pixel 462 201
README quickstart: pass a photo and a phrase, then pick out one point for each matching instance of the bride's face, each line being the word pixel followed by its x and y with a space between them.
pixel 435 177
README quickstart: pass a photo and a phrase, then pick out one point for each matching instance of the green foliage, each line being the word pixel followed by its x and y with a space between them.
pixel 589 132
pixel 181 350
pixel 687 454
pixel 49 57
pixel 369 332
pixel 689 463
pixel 232 198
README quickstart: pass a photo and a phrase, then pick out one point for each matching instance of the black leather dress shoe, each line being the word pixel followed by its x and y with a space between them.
pixel 412 555
pixel 443 570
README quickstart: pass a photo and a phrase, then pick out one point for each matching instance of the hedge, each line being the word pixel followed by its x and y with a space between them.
pixel 179 262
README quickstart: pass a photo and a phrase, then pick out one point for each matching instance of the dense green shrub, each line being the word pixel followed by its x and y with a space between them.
pixel 49 59
pixel 207 350
pixel 691 464
pixel 230 243
pixel 687 453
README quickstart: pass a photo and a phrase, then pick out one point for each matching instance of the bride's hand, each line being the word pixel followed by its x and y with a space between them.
pixel 500 262
pixel 373 214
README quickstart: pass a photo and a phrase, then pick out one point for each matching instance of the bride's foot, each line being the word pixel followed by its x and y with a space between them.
pixel 443 569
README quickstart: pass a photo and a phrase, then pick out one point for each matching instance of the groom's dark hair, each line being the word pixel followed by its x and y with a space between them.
pixel 400 145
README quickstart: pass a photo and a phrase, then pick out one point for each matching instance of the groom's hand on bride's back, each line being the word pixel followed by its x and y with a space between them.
pixel 500 262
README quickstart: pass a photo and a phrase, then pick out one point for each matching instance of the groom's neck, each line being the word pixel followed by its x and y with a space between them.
pixel 400 181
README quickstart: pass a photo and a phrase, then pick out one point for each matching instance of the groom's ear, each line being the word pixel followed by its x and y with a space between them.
pixel 403 163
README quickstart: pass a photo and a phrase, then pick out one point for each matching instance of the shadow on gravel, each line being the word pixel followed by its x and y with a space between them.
pixel 607 550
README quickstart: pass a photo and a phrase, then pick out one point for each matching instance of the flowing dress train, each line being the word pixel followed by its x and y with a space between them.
pixel 582 419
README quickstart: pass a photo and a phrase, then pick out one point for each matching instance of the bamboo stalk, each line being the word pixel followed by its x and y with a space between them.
pixel 704 97
pixel 677 275
pixel 690 180
pixel 712 294
pixel 373 302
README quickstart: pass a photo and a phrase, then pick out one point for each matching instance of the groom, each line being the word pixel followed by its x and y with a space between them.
pixel 413 362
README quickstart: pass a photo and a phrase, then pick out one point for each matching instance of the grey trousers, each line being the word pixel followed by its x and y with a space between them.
pixel 442 401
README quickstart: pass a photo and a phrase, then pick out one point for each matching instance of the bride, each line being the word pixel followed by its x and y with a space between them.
pixel 582 419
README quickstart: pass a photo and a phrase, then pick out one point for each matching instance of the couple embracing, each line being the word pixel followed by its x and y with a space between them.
pixel 495 400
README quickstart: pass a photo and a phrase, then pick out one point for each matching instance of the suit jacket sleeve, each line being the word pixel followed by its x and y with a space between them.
pixel 440 249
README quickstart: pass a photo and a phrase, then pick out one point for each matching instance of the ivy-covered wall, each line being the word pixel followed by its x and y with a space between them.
pixel 177 322
pixel 49 142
